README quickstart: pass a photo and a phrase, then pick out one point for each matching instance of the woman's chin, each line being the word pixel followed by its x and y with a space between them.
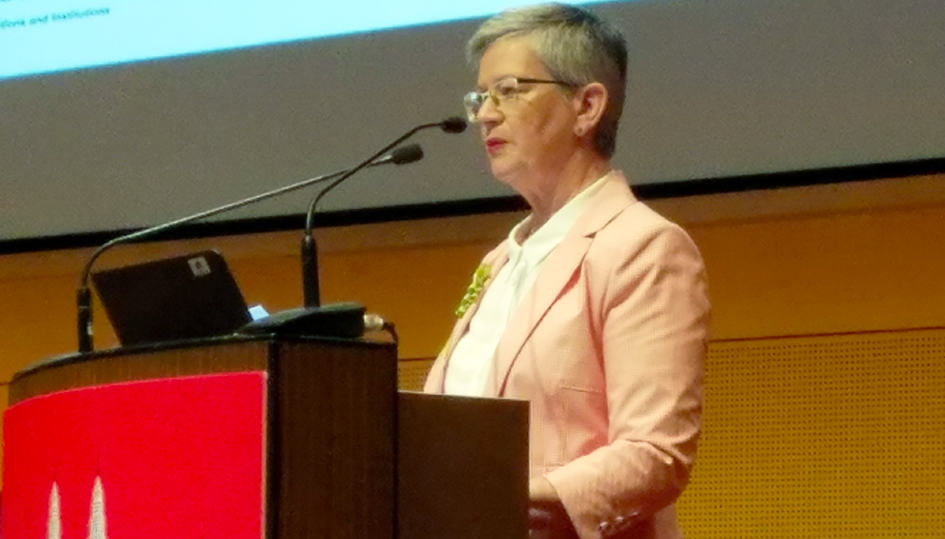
pixel 503 170
pixel 505 177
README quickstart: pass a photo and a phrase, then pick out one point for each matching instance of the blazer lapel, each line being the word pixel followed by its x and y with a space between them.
pixel 554 276
pixel 556 272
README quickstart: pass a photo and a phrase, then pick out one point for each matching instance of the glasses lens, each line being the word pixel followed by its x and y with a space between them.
pixel 506 89
pixel 472 102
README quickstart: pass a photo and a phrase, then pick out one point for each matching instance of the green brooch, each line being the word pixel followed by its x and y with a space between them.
pixel 475 287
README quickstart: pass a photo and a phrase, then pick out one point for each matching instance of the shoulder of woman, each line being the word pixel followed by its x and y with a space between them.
pixel 637 228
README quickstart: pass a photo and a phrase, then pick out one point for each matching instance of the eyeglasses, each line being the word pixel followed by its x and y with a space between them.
pixel 502 91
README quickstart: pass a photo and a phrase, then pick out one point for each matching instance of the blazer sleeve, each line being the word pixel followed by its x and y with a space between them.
pixel 653 310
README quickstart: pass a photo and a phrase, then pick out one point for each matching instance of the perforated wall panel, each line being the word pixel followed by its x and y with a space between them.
pixel 411 373
pixel 827 436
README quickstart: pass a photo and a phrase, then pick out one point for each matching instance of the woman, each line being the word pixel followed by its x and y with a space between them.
pixel 595 308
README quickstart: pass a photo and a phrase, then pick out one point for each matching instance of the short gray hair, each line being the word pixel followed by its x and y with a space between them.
pixel 575 46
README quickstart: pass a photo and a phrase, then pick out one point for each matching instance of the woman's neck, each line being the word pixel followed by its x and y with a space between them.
pixel 555 188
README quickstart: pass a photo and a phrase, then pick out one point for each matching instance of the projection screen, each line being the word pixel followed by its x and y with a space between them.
pixel 119 114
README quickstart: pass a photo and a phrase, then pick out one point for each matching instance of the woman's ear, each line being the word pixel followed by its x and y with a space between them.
pixel 590 102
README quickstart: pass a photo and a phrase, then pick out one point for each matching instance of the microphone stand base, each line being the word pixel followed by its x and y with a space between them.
pixel 343 320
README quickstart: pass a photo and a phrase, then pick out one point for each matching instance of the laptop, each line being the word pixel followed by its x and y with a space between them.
pixel 185 297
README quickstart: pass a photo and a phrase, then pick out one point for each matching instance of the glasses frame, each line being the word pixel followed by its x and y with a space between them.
pixel 473 101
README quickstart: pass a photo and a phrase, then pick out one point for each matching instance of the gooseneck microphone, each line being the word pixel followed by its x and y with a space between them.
pixel 407 154
pixel 454 124
pixel 310 287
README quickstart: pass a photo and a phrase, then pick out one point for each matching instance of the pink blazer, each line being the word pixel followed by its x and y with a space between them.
pixel 608 348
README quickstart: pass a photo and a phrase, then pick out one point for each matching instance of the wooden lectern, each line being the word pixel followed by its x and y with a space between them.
pixel 265 436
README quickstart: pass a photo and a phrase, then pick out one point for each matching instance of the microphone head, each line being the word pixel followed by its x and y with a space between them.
pixel 454 124
pixel 406 154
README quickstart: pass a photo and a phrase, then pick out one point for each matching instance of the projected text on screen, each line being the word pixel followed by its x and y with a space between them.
pixel 42 36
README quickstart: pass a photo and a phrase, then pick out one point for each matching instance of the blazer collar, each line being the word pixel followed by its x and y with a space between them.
pixel 613 197
pixel 555 274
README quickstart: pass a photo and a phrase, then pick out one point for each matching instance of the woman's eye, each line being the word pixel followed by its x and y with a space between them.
pixel 505 90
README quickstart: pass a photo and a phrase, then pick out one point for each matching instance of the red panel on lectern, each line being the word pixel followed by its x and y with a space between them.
pixel 180 457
